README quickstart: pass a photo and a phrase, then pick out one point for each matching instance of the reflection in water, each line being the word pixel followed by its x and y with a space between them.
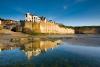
pixel 48 53
pixel 36 47
pixel 31 49
pixel 7 47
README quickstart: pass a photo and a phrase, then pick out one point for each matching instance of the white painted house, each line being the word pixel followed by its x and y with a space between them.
pixel 33 18
pixel 0 22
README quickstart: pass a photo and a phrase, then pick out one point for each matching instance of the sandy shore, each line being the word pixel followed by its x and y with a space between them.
pixel 6 36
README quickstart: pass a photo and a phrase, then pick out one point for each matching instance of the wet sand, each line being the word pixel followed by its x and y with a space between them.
pixel 90 40
pixel 6 36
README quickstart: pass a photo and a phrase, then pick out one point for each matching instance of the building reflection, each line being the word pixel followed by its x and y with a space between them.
pixel 36 47
pixel 7 47
pixel 33 48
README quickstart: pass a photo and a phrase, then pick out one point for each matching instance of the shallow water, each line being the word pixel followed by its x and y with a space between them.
pixel 51 53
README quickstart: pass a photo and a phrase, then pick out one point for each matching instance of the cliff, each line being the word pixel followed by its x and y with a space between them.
pixel 87 30
pixel 46 28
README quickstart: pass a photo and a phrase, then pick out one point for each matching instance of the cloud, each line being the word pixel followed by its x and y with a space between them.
pixel 20 10
pixel 51 17
pixel 65 7
pixel 80 1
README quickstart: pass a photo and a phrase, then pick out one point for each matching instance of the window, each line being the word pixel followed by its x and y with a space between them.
pixel 26 15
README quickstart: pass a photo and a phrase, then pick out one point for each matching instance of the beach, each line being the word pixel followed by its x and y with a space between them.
pixel 6 36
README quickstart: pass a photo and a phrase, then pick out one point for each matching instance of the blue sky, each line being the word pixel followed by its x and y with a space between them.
pixel 68 12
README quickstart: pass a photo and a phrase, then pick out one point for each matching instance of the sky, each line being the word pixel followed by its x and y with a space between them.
pixel 68 12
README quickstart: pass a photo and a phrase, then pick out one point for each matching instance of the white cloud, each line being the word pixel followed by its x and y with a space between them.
pixel 80 0
pixel 65 7
pixel 51 18
pixel 20 10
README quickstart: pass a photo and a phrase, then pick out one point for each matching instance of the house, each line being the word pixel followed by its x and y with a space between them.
pixel 0 22
pixel 32 18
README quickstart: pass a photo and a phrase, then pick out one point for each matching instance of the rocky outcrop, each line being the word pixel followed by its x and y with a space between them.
pixel 87 30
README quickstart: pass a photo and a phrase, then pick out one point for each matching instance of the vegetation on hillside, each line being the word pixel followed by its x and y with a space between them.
pixel 2 19
pixel 86 27
pixel 62 25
